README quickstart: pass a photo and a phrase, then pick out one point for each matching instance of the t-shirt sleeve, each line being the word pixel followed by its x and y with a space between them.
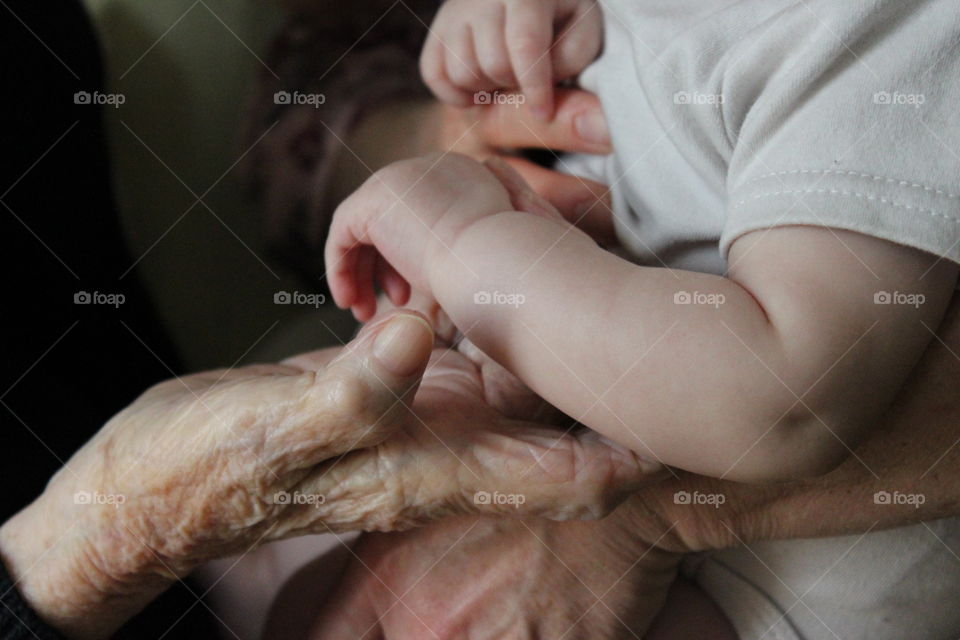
pixel 847 115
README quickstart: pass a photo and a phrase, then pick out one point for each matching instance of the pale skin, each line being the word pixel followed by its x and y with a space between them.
pixel 666 380
pixel 530 44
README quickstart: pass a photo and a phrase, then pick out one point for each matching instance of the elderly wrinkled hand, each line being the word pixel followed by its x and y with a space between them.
pixel 218 463
pixel 204 466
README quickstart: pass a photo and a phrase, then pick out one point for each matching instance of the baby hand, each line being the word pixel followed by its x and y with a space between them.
pixel 392 227
pixel 478 46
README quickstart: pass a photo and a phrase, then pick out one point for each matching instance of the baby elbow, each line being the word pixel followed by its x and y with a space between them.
pixel 795 448
pixel 811 456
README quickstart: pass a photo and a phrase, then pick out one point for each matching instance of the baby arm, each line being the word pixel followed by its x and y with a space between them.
pixel 776 379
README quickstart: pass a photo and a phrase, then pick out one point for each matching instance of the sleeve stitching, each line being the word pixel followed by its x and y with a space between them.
pixel 857 174
pixel 856 194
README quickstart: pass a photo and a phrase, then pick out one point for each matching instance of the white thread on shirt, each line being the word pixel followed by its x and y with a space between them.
pixel 857 174
pixel 856 194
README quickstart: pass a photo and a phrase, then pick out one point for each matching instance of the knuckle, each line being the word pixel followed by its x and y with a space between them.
pixel 358 410
pixel 600 502
pixel 598 496
pixel 346 397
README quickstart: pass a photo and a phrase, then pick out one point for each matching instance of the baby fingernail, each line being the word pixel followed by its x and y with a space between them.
pixel 404 344
pixel 592 127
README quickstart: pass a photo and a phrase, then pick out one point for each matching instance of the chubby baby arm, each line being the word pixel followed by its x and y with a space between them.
pixel 771 373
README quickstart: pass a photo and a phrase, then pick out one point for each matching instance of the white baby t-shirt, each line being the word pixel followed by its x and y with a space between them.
pixel 732 116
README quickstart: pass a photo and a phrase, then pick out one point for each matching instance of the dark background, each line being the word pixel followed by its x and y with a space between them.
pixel 67 368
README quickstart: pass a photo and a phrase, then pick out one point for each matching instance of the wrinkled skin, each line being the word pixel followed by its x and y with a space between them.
pixel 461 439
pixel 191 470
pixel 199 462
pixel 404 469
pixel 220 445
pixel 498 579
pixel 481 577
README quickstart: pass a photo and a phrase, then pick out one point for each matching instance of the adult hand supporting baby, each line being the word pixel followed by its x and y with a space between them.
pixel 218 463
pixel 482 577
pixel 204 466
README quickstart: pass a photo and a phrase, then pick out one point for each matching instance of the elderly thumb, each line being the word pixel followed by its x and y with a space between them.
pixel 357 399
